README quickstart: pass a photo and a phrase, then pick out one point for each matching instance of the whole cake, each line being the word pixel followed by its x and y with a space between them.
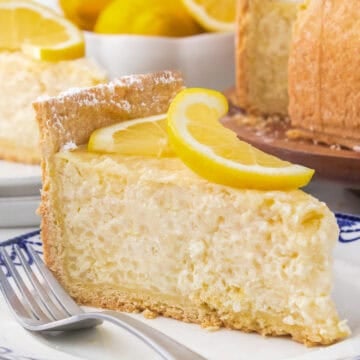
pixel 264 31
pixel 140 233
pixel 300 58
pixel 22 80
pixel 324 69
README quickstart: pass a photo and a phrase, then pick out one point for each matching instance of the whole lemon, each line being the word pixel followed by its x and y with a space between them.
pixel 83 13
pixel 146 17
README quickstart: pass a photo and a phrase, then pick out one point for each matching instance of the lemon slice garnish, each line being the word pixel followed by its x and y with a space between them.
pixel 143 137
pixel 38 31
pixel 213 15
pixel 215 153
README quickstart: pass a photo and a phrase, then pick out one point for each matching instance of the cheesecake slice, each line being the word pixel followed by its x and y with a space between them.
pixel 136 233
pixel 22 80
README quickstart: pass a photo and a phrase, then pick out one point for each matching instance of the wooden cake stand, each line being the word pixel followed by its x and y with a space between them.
pixel 269 135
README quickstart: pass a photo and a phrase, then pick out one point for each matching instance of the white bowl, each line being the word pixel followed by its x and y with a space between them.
pixel 205 60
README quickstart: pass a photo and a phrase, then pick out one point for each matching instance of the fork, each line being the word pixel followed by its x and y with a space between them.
pixel 45 306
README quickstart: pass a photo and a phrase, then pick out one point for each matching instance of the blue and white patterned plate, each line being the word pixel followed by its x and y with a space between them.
pixel 107 342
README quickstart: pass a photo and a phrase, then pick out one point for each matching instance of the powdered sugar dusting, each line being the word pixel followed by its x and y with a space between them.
pixel 124 104
pixel 128 80
pixel 57 121
pixel 42 98
pixel 120 96
pixel 166 78
pixel 124 81
pixel 69 146
pixel 89 99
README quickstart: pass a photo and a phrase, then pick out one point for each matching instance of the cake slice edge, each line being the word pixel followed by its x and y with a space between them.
pixel 67 120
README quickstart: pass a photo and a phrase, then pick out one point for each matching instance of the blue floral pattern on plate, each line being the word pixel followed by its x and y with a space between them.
pixel 8 354
pixel 32 238
pixel 349 228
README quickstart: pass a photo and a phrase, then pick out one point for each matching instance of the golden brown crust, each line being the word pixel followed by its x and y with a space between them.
pixel 19 153
pixel 73 116
pixel 324 76
pixel 206 317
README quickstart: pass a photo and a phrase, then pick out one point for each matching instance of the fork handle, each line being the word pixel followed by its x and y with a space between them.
pixel 166 347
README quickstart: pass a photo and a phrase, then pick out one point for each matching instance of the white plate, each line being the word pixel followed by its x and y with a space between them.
pixel 19 211
pixel 19 179
pixel 108 342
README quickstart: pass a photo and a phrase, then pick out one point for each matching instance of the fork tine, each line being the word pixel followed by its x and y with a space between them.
pixel 12 298
pixel 52 305
pixel 59 293
pixel 25 292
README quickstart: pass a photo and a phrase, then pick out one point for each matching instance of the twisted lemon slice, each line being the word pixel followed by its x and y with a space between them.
pixel 215 153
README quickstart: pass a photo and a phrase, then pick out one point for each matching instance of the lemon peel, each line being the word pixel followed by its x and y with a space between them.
pixel 215 153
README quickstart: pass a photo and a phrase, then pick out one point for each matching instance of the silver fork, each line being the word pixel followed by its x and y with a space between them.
pixel 45 306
